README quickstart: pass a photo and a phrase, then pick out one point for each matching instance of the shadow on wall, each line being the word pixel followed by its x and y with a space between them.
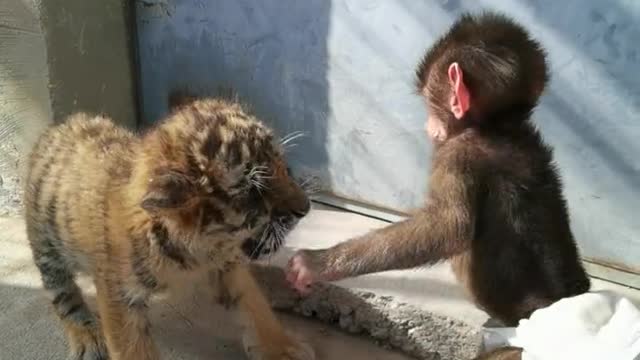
pixel 89 57
pixel 589 112
pixel 53 56
pixel 25 108
pixel 346 66
pixel 592 90
pixel 53 62
pixel 278 67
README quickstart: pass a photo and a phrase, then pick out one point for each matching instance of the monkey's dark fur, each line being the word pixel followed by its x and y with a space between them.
pixel 504 68
pixel 505 353
pixel 495 206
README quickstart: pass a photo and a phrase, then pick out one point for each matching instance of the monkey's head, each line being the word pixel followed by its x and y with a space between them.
pixel 484 65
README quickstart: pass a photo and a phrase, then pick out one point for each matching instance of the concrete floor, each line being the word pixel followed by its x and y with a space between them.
pixel 189 328
pixel 433 289
pixel 186 327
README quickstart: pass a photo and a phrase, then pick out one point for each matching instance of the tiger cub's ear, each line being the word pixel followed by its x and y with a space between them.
pixel 169 190
pixel 179 98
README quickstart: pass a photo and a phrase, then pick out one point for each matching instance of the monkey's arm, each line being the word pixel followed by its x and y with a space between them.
pixel 436 233
pixel 440 230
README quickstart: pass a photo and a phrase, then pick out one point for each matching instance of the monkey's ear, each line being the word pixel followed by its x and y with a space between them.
pixel 460 99
pixel 167 191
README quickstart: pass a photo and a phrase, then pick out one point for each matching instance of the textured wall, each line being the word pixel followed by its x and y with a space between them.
pixel 58 57
pixel 25 108
pixel 342 71
pixel 90 57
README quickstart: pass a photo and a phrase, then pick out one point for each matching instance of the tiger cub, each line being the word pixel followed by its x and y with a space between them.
pixel 143 214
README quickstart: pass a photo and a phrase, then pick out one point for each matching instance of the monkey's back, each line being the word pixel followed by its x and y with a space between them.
pixel 524 250
pixel 73 169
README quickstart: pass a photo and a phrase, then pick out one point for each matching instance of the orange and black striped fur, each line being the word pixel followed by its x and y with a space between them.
pixel 143 214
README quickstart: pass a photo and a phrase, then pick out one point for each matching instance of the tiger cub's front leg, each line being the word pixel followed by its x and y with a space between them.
pixel 125 325
pixel 265 338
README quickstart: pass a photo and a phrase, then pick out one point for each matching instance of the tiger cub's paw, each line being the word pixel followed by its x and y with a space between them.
pixel 89 351
pixel 88 345
pixel 292 349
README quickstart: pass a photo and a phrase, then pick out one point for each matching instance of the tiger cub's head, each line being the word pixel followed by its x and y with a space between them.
pixel 216 174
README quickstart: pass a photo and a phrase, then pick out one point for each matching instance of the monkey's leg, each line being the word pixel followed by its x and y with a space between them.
pixel 124 324
pixel 266 339
pixel 80 325
pixel 460 265
pixel 505 353
pixel 508 315
pixel 530 304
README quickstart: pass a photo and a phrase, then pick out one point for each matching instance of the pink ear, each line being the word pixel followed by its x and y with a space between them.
pixel 460 98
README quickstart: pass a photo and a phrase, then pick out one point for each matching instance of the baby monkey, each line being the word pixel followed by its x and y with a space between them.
pixel 495 205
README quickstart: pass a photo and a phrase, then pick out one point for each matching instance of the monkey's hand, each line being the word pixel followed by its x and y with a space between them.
pixel 305 268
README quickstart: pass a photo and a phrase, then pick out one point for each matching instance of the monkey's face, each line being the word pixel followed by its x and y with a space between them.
pixel 435 125
pixel 448 101
pixel 435 128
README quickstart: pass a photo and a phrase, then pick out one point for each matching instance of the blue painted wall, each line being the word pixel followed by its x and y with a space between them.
pixel 342 71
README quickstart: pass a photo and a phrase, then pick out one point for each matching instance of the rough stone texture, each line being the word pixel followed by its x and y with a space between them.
pixel 25 107
pixel 10 190
pixel 53 62
pixel 10 195
pixel 416 332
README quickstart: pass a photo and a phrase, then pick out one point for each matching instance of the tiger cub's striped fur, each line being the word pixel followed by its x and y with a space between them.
pixel 142 214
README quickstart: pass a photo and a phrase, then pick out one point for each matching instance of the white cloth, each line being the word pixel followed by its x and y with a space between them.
pixel 592 326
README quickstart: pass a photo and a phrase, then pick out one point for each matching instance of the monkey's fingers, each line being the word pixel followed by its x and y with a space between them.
pixel 303 281
pixel 291 273
pixel 291 276
pixel 299 274
pixel 294 266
